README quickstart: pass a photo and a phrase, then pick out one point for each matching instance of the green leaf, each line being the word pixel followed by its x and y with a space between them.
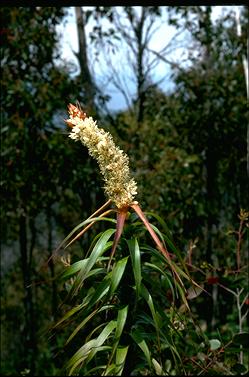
pixel 80 356
pixel 76 267
pixel 95 272
pixel 91 372
pixel 101 291
pixel 136 262
pixel 69 314
pixel 117 273
pixel 122 315
pixel 138 338
pixel 109 370
pixel 89 349
pixel 121 319
pixel 79 226
pixel 97 251
pixel 121 354
pixel 71 270
pixel 83 323
pixel 214 344
pixel 102 338
pixel 164 273
pixel 158 367
pixel 146 295
pixel 115 369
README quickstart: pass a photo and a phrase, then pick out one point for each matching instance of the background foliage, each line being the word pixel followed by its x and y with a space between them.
pixel 187 149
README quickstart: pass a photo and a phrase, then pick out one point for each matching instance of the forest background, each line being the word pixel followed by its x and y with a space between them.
pixel 187 148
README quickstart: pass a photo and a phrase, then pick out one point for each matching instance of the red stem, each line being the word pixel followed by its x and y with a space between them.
pixel 121 216
pixel 159 244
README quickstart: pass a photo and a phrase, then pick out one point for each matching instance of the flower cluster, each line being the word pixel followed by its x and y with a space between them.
pixel 113 162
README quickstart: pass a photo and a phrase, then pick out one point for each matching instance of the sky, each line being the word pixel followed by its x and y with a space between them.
pixel 69 43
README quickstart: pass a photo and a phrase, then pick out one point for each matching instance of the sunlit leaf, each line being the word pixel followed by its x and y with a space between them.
pixel 79 226
pixel 121 354
pixel 83 323
pixel 97 251
pixel 89 349
pixel 214 344
pixel 157 366
pixel 102 338
pixel 71 270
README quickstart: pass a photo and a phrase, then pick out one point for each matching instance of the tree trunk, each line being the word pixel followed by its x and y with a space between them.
pixel 29 341
pixel 54 297
pixel 140 68
pixel 85 74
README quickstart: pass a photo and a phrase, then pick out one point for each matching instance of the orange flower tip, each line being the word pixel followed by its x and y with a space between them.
pixel 75 111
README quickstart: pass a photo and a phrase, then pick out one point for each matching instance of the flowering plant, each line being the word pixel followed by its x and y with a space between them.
pixel 114 166
pixel 119 301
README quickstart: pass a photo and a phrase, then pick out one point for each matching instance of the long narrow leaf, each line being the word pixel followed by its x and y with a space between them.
pixel 164 273
pixel 77 266
pixel 136 263
pixel 117 274
pixel 102 338
pixel 89 349
pixel 87 227
pixel 121 354
pixel 97 251
pixel 100 292
pixel 122 315
pixel 79 226
pixel 69 314
pixel 121 320
pixel 146 295
pixel 137 337
pixel 73 269
pixel 84 322
pixel 169 241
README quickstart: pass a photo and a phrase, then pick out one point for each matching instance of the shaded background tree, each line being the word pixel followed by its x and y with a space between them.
pixel 39 175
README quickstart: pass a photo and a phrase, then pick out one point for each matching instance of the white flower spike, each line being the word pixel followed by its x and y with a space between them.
pixel 113 162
